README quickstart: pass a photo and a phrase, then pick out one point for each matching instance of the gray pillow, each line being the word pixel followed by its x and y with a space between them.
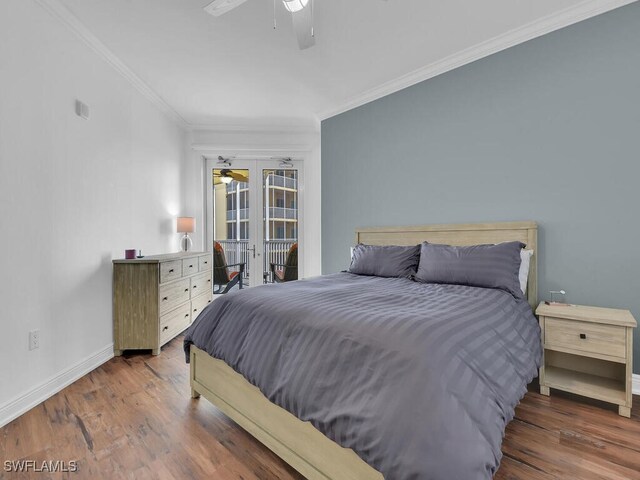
pixel 489 266
pixel 385 261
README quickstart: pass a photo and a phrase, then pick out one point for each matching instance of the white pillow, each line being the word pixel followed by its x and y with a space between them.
pixel 523 274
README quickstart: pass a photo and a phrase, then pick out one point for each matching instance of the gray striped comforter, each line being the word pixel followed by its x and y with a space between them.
pixel 419 380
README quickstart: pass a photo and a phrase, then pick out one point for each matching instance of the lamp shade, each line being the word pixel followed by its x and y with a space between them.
pixel 186 225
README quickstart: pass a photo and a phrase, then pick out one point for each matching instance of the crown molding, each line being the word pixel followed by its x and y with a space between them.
pixel 64 15
pixel 251 152
pixel 542 26
pixel 257 128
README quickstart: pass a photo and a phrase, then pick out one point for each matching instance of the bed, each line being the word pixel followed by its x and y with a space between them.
pixel 346 373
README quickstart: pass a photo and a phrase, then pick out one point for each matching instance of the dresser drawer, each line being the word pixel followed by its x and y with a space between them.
pixel 585 336
pixel 204 263
pixel 170 271
pixel 189 266
pixel 174 322
pixel 201 284
pixel 173 294
pixel 198 304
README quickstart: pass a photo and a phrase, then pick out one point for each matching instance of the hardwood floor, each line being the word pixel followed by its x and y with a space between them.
pixel 114 428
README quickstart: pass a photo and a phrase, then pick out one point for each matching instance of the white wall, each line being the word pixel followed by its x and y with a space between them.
pixel 299 144
pixel 73 195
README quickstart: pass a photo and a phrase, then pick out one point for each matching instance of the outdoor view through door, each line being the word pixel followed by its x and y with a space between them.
pixel 255 226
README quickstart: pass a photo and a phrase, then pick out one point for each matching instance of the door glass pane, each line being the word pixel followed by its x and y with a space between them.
pixel 230 228
pixel 280 224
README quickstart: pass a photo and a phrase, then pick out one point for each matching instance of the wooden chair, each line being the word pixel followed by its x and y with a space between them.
pixel 288 271
pixel 222 277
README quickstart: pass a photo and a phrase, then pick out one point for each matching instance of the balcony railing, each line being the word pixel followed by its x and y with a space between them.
pixel 274 251
pixel 231 187
pixel 283 213
pixel 232 215
pixel 280 181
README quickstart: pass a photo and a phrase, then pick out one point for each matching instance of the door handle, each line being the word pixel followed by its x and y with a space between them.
pixel 253 250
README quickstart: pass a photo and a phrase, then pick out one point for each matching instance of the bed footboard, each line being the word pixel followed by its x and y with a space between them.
pixel 298 443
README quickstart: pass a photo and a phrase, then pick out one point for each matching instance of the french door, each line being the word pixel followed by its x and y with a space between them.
pixel 254 214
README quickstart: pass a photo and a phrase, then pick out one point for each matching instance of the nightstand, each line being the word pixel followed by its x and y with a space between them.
pixel 588 351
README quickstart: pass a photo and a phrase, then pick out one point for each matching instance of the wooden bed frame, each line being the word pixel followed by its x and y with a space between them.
pixel 299 443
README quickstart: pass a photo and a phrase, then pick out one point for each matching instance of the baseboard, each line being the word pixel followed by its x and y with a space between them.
pixel 22 403
pixel 635 382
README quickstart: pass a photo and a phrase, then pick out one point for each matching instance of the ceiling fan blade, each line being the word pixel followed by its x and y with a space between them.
pixel 220 7
pixel 238 177
pixel 303 26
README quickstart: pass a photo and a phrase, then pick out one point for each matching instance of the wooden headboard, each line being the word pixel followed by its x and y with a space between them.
pixel 462 234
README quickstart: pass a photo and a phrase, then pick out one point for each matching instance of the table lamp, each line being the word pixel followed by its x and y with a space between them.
pixel 186 225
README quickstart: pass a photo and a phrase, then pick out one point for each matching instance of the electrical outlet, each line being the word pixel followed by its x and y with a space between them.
pixel 34 339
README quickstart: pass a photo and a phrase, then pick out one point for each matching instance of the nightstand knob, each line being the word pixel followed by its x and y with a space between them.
pixel 583 336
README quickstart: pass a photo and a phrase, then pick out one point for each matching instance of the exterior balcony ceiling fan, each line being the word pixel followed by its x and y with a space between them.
pixel 227 176
pixel 301 13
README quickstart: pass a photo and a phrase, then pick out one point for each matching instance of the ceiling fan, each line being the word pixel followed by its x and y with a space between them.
pixel 301 12
pixel 225 174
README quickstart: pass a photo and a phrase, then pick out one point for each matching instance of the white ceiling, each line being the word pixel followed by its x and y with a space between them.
pixel 238 70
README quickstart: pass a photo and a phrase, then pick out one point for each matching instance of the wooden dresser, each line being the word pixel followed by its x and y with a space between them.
pixel 155 298
pixel 588 351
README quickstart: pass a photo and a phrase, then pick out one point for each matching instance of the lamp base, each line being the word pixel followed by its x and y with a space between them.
pixel 185 243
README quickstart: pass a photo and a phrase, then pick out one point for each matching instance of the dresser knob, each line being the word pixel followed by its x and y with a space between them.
pixel 171 271
pixel 195 286
pixel 190 266
pixel 165 299
pixel 583 336
pixel 186 289
pixel 165 328
pixel 186 315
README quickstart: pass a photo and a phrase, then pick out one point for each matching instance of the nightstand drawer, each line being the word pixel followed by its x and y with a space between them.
pixel 585 336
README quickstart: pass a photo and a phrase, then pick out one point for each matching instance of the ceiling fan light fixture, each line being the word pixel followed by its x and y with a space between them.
pixel 295 5
pixel 226 180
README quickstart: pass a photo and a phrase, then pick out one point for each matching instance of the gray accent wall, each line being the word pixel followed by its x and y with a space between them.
pixel 548 131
